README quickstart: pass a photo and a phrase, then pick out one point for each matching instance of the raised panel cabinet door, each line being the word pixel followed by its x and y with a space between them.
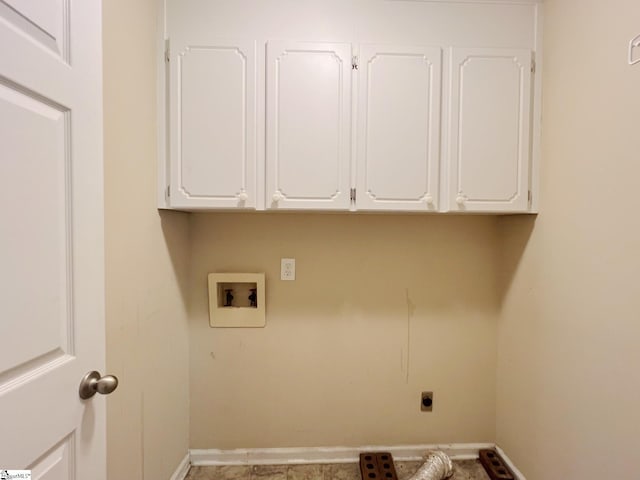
pixel 308 125
pixel 489 149
pixel 398 128
pixel 212 123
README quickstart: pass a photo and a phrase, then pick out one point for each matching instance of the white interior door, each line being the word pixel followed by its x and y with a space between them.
pixel 398 128
pixel 490 114
pixel 308 125
pixel 51 245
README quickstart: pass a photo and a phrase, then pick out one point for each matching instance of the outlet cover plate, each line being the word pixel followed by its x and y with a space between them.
pixel 288 269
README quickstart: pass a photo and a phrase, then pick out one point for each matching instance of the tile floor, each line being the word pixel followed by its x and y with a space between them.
pixel 464 470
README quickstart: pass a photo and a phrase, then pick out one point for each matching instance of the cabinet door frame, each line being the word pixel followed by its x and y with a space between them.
pixel 458 199
pixel 276 195
pixel 428 200
pixel 245 194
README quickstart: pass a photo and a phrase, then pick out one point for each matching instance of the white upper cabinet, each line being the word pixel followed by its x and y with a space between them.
pixel 489 148
pixel 308 125
pixel 212 131
pixel 398 141
pixel 349 105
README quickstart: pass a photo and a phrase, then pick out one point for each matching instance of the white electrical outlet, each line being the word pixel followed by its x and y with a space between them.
pixel 287 269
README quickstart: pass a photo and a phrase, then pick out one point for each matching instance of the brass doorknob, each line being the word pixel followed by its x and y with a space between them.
pixel 93 383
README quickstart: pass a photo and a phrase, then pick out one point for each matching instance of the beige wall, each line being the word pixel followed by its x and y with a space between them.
pixel 146 262
pixel 382 308
pixel 569 354
pixel 387 306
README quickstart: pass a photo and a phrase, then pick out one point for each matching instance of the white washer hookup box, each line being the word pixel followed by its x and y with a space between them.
pixel 237 300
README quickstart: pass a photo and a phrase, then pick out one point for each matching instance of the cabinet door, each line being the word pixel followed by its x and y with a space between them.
pixel 398 128
pixel 212 124
pixel 490 102
pixel 308 125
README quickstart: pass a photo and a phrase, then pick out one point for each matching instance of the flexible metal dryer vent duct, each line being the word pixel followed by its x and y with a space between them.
pixel 437 466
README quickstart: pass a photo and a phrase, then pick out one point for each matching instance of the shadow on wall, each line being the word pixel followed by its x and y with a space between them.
pixel 366 263
pixel 514 233
pixel 174 225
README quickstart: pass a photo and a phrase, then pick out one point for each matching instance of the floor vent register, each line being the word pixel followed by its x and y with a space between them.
pixel 495 466
pixel 377 466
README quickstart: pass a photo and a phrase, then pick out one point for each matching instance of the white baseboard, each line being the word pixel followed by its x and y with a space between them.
pixel 306 455
pixel 183 469
pixel 518 474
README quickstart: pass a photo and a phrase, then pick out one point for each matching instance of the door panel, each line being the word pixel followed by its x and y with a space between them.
pixel 213 124
pixel 398 128
pixel 308 125
pixel 38 296
pixel 57 463
pixel 51 248
pixel 46 23
pixel 489 132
